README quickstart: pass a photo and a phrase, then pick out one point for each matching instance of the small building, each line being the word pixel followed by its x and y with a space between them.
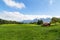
pixel 46 24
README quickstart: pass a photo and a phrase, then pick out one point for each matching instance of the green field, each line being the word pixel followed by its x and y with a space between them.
pixel 29 32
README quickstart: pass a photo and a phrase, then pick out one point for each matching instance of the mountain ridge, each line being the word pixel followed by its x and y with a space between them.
pixel 35 20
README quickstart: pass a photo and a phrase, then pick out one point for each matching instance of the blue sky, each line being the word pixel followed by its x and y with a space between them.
pixel 33 8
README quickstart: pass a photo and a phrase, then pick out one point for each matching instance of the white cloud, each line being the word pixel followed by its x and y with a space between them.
pixel 57 16
pixel 17 16
pixel 12 3
pixel 51 2
pixel 37 16
pixel 11 16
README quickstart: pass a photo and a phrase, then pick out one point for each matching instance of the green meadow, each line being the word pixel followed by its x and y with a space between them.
pixel 29 32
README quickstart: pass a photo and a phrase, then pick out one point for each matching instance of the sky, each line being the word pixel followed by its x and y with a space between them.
pixel 19 10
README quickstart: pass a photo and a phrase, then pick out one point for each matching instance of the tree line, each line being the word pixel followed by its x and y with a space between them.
pixel 8 22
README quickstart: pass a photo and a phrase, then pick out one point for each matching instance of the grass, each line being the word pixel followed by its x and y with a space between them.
pixel 29 32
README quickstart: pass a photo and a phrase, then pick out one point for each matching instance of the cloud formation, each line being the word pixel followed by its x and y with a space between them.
pixel 17 16
pixel 14 16
pixel 51 2
pixel 12 3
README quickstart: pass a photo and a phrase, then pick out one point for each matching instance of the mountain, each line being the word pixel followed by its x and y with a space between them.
pixel 35 20
pixel 46 19
pixel 27 21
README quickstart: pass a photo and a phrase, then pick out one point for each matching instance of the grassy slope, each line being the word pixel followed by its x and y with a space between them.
pixel 29 32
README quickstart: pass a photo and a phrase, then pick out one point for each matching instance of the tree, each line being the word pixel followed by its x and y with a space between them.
pixel 54 20
pixel 39 22
pixel 58 20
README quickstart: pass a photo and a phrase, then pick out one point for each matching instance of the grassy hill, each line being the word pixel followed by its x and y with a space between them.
pixel 29 32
